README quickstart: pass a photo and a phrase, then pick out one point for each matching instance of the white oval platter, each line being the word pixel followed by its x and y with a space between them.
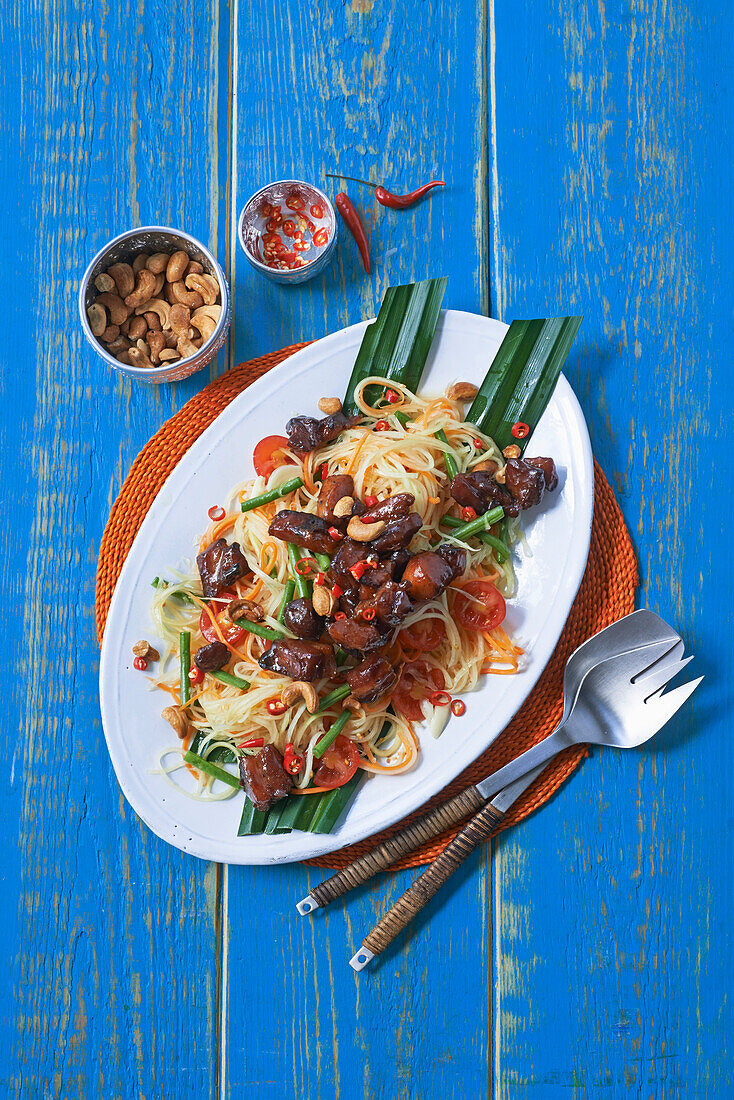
pixel 549 572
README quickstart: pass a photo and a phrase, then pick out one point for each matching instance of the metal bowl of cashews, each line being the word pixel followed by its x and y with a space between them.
pixel 155 304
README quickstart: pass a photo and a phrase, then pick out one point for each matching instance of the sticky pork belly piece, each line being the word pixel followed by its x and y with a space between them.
pixel 390 509
pixel 300 617
pixel 427 575
pixel 303 529
pixel 548 466
pixel 479 490
pixel 356 635
pixel 334 488
pixel 397 534
pixel 264 779
pixel 306 433
pixel 371 679
pixel 300 660
pixel 526 479
pixel 348 554
pixel 390 603
pixel 220 565
pixel 211 657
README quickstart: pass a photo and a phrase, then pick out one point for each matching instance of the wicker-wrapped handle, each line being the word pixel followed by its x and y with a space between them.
pixel 429 883
pixel 391 850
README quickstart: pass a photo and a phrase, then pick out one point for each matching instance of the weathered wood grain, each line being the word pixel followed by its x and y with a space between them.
pixel 613 157
pixel 110 984
pixel 588 154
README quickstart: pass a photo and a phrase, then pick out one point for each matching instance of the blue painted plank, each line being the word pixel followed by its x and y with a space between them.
pixel 356 89
pixel 114 116
pixel 613 169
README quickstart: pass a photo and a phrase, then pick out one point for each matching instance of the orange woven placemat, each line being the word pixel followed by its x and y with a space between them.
pixel 607 593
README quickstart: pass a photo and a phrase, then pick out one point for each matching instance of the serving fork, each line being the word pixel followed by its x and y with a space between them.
pixel 620 701
pixel 633 632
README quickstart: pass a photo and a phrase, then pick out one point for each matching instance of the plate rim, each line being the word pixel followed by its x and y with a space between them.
pixel 231 850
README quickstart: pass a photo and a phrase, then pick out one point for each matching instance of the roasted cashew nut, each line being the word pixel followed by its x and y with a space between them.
pixel 176 266
pixel 245 609
pixel 158 262
pixel 97 318
pixel 343 507
pixel 177 719
pixel 179 320
pixel 202 320
pixel 330 405
pixel 144 289
pixel 300 689
pixel 104 283
pixel 323 600
pixel 115 306
pixel 124 278
pixel 462 391
pixel 203 284
pixel 157 305
pixel 364 532
pixel 179 293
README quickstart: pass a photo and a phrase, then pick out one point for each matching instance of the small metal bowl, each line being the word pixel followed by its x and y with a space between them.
pixel 124 249
pixel 252 229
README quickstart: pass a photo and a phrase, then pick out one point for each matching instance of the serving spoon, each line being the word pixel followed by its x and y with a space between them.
pixel 633 632
pixel 620 702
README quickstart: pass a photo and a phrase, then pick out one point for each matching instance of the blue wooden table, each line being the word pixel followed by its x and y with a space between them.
pixel 588 150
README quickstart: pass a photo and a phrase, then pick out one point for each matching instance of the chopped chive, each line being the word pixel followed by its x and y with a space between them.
pixel 290 587
pixel 233 681
pixel 329 738
pixel 272 494
pixel 205 766
pixel 334 696
pixel 184 649
pixel 302 587
pixel 402 418
pixel 261 631
pixel 449 461
pixel 502 550
pixel 323 560
pixel 341 656
pixel 481 523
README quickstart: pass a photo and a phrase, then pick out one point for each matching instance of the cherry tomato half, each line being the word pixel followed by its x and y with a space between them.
pixel 230 632
pixel 417 681
pixel 485 611
pixel 269 454
pixel 338 764
pixel 425 635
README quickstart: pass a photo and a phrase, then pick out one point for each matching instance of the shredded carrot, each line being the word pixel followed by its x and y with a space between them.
pixel 352 464
pixel 409 742
pixel 310 790
pixel 434 500
pixel 308 479
pixel 216 529
pixel 254 591
pixel 215 624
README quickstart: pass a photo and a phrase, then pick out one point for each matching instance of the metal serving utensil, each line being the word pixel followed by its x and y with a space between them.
pixel 620 702
pixel 634 631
